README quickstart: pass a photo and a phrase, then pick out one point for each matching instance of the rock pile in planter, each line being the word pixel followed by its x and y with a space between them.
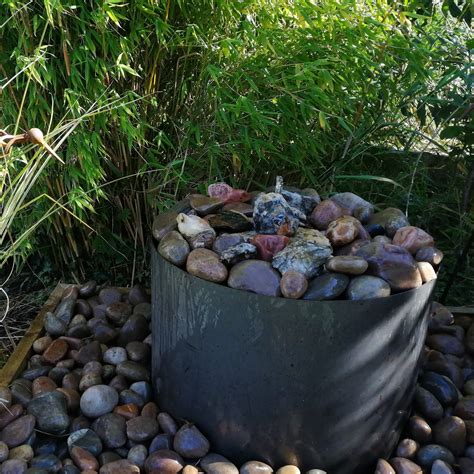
pixel 84 403
pixel 439 436
pixel 291 243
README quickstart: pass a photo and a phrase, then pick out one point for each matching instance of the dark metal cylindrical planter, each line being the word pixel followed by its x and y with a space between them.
pixel 318 384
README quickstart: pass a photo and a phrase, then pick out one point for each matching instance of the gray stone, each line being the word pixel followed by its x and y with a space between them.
pixel 98 400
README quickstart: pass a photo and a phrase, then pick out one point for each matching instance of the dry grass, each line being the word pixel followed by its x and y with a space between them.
pixel 22 309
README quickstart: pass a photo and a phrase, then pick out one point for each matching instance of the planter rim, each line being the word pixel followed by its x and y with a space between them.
pixel 393 297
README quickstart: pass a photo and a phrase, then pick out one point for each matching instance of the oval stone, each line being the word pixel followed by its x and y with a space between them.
pixel 365 287
pixel 164 461
pixel 441 387
pixel 419 430
pixel 255 276
pixel 325 212
pixel 383 467
pixel 343 231
pixel 391 219
pixel 405 466
pixel 451 433
pixel 441 467
pixel 174 248
pixel 326 287
pixel 348 264
pixel 407 448
pixel 205 263
pixel 293 284
pixel 190 443
pixel 121 466
pixel 18 431
pixel 412 238
pixel 255 467
pixel 426 271
pixel 427 404
pixel 428 454
pixel 216 464
pixel 431 255
pixel 98 400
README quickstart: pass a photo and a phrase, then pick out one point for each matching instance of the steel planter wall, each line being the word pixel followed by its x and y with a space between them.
pixel 317 384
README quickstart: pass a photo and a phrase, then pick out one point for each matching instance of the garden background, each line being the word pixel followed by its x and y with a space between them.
pixel 147 100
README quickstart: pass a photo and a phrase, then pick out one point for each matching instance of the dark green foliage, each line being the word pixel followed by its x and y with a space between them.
pixel 191 91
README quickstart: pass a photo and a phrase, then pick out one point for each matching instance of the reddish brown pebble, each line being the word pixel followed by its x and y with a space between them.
pixel 407 448
pixel 55 351
pixel 42 384
pixel 164 461
pixel 121 466
pixel 269 245
pixel 343 231
pixel 72 397
pixel 326 212
pixel 412 238
pixel 150 410
pixel 128 411
pixel 293 284
pixel 83 459
pixel 405 466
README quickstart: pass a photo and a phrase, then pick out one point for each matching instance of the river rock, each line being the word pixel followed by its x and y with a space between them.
pixel 56 351
pixel 7 416
pixel 240 207
pixel 190 443
pixel 133 371
pixel 227 193
pixel 84 460
pixel 451 433
pixel 343 231
pixel 137 455
pixel 14 466
pixel 50 411
pixel 273 215
pixel 446 344
pixel 352 248
pixel 365 287
pixel 115 355
pixel 111 429
pixel 142 429
pixel 465 408
pixel 163 224
pixel 383 467
pixel 392 263
pixel 18 431
pixel 136 328
pixel 204 205
pixel 121 466
pixel 326 287
pixel 230 221
pixel 358 207
pixel 288 469
pixel 41 344
pixel 426 271
pixel 205 264
pixel 428 454
pixel 89 352
pixel 237 253
pixel 303 200
pixel 108 296
pixel 419 430
pixel 167 424
pixel 98 400
pixel 441 387
pixel 431 255
pixel 427 404
pixel 216 464
pixel 255 467
pixel 347 264
pixel 306 255
pixel 53 325
pixel 86 439
pixel 174 248
pixel 440 467
pixel 407 448
pixel 161 441
pixel 255 276
pixel 391 219
pixel 293 284
pixel 44 384
pixel 405 466
pixel 412 239
pixel 269 245
pixel 164 461
pixel 138 351
pixel 119 312
pixel 23 452
pixel 196 231
pixel 225 241
pixel 325 212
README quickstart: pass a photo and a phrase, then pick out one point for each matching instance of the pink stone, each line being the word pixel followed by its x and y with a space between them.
pixel 326 212
pixel 343 231
pixel 269 245
pixel 412 238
